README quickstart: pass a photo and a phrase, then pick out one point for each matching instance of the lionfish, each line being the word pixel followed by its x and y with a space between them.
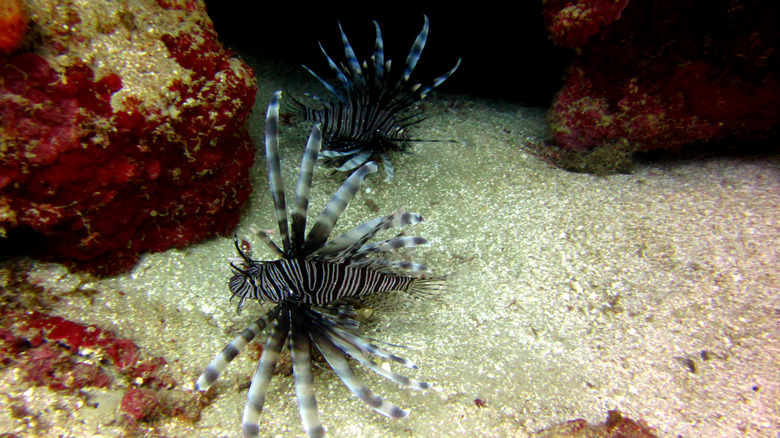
pixel 371 110
pixel 307 285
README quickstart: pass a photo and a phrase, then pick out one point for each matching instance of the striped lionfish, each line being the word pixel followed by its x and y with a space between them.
pixel 371 110
pixel 306 286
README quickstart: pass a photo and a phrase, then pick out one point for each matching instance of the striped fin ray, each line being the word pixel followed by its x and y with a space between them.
pixel 436 82
pixel 414 54
pixel 345 246
pixel 379 58
pixel 304 187
pixel 300 350
pixel 266 239
pixel 218 365
pixel 325 83
pixel 336 249
pixel 389 171
pixel 393 244
pixel 358 160
pixel 319 233
pixel 397 267
pixel 427 287
pixel 265 369
pixel 357 354
pixel 352 62
pixel 336 360
pixel 364 345
pixel 333 153
pixel 342 315
pixel 274 168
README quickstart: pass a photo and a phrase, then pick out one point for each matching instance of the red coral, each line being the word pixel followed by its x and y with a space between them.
pixel 140 404
pixel 103 182
pixel 44 342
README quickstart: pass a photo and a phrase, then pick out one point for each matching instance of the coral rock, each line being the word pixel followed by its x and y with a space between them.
pixel 663 75
pixel 122 132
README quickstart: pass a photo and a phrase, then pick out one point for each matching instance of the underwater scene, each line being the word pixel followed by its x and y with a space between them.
pixel 511 298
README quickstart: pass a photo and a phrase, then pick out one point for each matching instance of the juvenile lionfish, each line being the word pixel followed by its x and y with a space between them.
pixel 307 285
pixel 371 110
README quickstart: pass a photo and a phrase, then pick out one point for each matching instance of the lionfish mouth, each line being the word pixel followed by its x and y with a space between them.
pixel 308 285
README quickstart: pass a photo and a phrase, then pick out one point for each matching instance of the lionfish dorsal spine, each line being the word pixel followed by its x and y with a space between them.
pixel 352 62
pixel 347 246
pixel 436 82
pixel 379 58
pixel 324 83
pixel 321 229
pixel 275 170
pixel 266 239
pixel 415 52
pixel 303 190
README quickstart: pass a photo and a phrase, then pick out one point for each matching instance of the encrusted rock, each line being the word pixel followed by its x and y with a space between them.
pixel 665 74
pixel 122 131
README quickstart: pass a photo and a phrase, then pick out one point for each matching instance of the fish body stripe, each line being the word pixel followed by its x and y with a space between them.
pixel 314 283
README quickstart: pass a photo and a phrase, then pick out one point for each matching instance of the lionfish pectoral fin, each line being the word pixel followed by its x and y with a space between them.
pixel 336 359
pixel 357 351
pixel 366 346
pixel 389 171
pixel 358 159
pixel 300 350
pixel 231 350
pixel 255 399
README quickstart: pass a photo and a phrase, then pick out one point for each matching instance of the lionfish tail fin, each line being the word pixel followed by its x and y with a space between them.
pixel 428 287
